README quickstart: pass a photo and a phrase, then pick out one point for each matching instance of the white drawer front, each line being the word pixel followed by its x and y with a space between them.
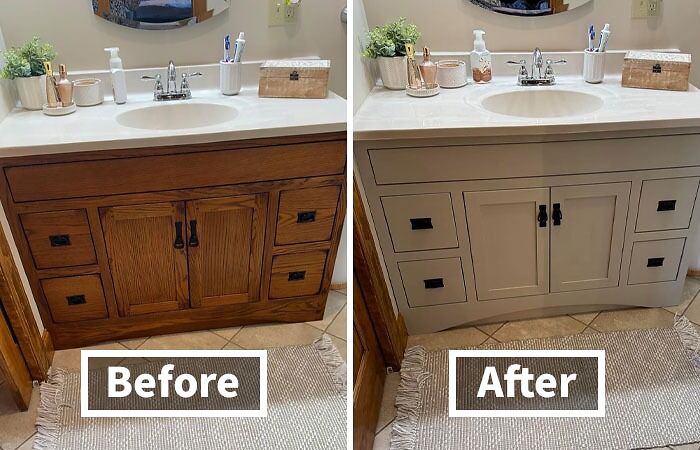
pixel 433 282
pixel 420 222
pixel 656 261
pixel 667 204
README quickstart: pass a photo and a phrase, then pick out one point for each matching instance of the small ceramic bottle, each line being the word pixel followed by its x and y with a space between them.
pixel 428 69
pixel 415 78
pixel 52 98
pixel 65 87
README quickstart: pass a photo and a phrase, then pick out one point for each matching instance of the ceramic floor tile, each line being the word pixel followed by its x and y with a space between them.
pixel 590 330
pixel 452 339
pixel 490 328
pixel 343 291
pixel 269 336
pixel 693 311
pixel 539 328
pixel 232 346
pixel 341 345
pixel 686 447
pixel 133 344
pixel 387 411
pixel 70 359
pixel 28 444
pixel 383 438
pixel 196 340
pixel 490 341
pixel 690 291
pixel 336 302
pixel 633 319
pixel 339 326
pixel 227 333
pixel 586 318
pixel 15 426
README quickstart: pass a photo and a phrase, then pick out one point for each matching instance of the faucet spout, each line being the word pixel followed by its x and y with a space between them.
pixel 537 62
pixel 172 78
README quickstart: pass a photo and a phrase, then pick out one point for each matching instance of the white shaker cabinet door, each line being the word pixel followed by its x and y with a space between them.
pixel 587 235
pixel 509 234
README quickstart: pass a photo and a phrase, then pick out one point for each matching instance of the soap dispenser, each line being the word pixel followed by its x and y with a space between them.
pixel 481 59
pixel 118 75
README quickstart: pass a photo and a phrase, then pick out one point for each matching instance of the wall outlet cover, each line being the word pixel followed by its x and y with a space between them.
pixel 282 12
pixel 642 9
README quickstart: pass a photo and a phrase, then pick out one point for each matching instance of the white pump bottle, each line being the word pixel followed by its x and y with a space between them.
pixel 481 59
pixel 118 76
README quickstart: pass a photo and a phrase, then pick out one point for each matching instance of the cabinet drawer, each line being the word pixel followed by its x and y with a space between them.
pixel 433 282
pixel 655 261
pixel 59 239
pixel 307 215
pixel 75 299
pixel 420 222
pixel 297 275
pixel 667 204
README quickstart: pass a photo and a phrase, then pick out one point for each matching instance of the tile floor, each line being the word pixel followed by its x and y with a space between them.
pixel 17 429
pixel 540 328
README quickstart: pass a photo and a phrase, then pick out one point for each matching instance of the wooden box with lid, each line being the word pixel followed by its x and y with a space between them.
pixel 654 70
pixel 294 79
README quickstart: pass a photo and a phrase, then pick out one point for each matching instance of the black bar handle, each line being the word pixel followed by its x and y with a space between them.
pixel 655 262
pixel 542 216
pixel 422 223
pixel 434 283
pixel 194 240
pixel 74 300
pixel 296 276
pixel 666 205
pixel 60 240
pixel 306 217
pixel 179 242
pixel 557 216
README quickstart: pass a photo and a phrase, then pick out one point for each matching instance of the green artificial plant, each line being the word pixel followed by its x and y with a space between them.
pixel 28 60
pixel 390 40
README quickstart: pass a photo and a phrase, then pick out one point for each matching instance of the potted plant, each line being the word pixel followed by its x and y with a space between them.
pixel 387 44
pixel 25 65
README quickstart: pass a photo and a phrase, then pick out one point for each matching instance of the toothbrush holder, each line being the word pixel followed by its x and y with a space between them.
pixel 593 66
pixel 230 77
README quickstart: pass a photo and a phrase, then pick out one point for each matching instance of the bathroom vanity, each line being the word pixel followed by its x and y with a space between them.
pixel 128 229
pixel 500 202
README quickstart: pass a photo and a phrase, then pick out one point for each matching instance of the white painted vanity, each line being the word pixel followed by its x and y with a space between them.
pixel 482 216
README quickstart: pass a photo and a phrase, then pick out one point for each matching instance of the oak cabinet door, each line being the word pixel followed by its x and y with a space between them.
pixel 225 247
pixel 587 234
pixel 509 234
pixel 147 256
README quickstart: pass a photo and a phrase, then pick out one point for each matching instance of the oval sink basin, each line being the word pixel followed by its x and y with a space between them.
pixel 542 103
pixel 177 116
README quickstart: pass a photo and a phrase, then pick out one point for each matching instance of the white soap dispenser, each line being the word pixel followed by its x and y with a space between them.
pixel 118 76
pixel 481 59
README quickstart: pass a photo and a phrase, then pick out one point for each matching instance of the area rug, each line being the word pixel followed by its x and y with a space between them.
pixel 653 398
pixel 306 410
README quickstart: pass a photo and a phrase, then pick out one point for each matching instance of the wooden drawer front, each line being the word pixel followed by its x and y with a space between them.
pixel 297 275
pixel 75 299
pixel 307 215
pixel 433 282
pixel 187 170
pixel 655 261
pixel 59 239
pixel 667 204
pixel 420 222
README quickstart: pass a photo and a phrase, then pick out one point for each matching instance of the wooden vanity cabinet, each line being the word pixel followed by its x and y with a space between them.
pixel 128 243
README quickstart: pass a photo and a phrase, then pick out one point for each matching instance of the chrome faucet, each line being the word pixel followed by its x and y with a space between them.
pixel 172 92
pixel 535 77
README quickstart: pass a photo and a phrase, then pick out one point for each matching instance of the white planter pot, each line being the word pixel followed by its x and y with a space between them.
pixel 32 91
pixel 393 72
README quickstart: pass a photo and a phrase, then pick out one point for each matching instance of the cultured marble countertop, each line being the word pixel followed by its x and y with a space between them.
pixel 96 128
pixel 458 113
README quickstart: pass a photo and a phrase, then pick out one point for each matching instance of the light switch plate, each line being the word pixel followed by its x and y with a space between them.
pixel 642 9
pixel 282 13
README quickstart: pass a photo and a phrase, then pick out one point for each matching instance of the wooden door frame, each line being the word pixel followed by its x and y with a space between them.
pixel 13 365
pixel 36 350
pixel 389 328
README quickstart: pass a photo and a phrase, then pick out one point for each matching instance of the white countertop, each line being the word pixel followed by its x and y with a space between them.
pixel 457 113
pixel 95 128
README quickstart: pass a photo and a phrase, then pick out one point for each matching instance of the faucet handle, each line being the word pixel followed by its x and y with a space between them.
pixel 522 73
pixel 185 85
pixel 159 85
pixel 557 62
pixel 522 62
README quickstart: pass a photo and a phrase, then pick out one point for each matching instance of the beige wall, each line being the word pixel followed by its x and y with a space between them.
pixel 363 76
pixel 7 93
pixel 449 23
pixel 80 36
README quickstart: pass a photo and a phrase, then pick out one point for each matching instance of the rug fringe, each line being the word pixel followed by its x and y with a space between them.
pixel 408 399
pixel 690 338
pixel 334 362
pixel 49 414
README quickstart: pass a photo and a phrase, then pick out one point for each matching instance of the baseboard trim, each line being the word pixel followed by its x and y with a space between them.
pixel 339 286
pixel 694 273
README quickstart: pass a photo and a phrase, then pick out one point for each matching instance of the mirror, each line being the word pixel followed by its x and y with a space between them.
pixel 158 14
pixel 530 8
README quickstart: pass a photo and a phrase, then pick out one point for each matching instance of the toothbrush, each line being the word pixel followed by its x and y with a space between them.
pixel 604 38
pixel 240 46
pixel 591 38
pixel 227 48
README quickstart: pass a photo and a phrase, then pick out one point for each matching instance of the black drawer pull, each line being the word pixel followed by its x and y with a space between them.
pixel 557 215
pixel 424 223
pixel 655 262
pixel 542 217
pixel 179 242
pixel 60 240
pixel 306 217
pixel 666 205
pixel 194 240
pixel 296 276
pixel 76 300
pixel 435 283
